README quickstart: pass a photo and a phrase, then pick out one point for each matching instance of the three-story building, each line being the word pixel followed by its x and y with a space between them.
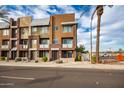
pixel 54 37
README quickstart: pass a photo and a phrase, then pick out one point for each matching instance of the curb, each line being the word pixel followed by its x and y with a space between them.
pixel 84 66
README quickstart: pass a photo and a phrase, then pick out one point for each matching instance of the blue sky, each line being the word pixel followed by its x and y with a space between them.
pixel 112 22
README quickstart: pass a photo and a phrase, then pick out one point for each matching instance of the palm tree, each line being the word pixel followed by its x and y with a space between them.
pixel 99 9
pixel 99 14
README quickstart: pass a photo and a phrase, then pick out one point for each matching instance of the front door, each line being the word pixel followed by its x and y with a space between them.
pixel 33 55
pixel 55 55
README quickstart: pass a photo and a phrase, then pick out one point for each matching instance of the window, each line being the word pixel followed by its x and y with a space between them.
pixel 55 28
pixel 67 28
pixel 43 30
pixel 14 31
pixel 14 43
pixel 24 42
pixel 55 41
pixel 67 43
pixel 34 29
pixel 34 42
pixel 5 42
pixel 66 54
pixel 45 41
pixel 43 54
pixel 69 54
pixel 24 31
pixel 6 32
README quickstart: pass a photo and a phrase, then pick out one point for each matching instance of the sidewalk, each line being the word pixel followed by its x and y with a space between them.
pixel 65 65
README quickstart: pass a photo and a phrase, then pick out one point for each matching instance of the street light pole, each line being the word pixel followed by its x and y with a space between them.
pixel 91 43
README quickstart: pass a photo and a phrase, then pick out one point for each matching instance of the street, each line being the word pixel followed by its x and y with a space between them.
pixel 44 77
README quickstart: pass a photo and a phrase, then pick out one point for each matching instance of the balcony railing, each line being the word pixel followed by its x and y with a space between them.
pixel 4 46
pixel 24 36
pixel 44 46
pixel 66 45
pixel 23 46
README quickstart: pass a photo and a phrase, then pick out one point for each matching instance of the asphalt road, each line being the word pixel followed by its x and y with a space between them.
pixel 31 77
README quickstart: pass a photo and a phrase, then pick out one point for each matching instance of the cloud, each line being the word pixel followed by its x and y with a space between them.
pixel 111 29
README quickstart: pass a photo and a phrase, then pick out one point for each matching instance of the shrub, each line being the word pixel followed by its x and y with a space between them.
pixel 18 59
pixel 24 59
pixel 2 58
pixel 93 59
pixel 45 58
pixel 78 58
pixel 36 61
pixel 59 61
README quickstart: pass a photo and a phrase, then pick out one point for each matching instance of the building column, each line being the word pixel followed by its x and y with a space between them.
pixel 50 55
pixel 74 54
pixel 59 54
pixel 29 55
pixel 17 53
pixel 10 54
pixel 0 53
pixel 37 54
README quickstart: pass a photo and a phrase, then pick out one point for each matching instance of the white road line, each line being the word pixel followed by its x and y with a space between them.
pixel 10 77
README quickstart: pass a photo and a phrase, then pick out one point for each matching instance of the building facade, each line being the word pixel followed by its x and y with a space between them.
pixel 54 37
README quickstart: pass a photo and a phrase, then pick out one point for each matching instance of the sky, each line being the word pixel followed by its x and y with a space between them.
pixel 112 23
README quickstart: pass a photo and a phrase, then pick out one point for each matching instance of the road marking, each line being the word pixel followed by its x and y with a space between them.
pixel 10 77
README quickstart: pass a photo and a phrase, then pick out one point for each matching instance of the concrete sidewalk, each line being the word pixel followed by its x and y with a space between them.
pixel 65 65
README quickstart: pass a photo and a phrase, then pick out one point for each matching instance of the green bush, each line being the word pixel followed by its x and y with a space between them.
pixel 2 58
pixel 24 59
pixel 59 61
pixel 78 58
pixel 93 59
pixel 18 59
pixel 45 58
pixel 36 61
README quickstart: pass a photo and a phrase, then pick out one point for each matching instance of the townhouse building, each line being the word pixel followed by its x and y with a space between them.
pixel 54 37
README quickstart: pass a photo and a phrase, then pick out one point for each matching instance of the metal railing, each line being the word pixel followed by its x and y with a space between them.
pixel 4 46
pixel 44 46
pixel 66 45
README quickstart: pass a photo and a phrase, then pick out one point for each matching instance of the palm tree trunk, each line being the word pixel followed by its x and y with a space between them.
pixel 98 38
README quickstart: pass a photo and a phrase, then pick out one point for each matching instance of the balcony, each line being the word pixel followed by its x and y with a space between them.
pixel 44 46
pixel 5 47
pixel 66 45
